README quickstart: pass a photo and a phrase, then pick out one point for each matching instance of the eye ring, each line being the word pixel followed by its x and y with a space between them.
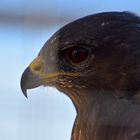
pixel 77 55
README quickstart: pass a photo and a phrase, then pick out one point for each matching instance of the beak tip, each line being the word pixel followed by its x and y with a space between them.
pixel 24 91
pixel 29 81
pixel 25 95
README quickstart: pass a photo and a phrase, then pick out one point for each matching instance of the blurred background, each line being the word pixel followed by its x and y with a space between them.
pixel 25 25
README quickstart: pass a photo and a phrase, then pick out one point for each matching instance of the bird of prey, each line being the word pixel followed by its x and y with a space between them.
pixel 95 61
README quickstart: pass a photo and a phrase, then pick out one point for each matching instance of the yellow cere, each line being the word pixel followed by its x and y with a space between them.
pixel 37 67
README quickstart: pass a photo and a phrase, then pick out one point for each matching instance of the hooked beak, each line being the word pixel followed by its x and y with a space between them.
pixel 30 78
pixel 34 76
pixel 29 81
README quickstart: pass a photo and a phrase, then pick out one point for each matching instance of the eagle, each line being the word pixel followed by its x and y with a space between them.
pixel 95 61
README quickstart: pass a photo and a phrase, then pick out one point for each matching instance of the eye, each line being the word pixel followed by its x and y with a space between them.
pixel 76 55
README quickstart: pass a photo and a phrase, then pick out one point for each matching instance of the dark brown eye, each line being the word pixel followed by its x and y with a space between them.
pixel 77 55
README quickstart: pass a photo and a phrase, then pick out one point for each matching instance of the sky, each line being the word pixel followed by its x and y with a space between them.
pixel 47 114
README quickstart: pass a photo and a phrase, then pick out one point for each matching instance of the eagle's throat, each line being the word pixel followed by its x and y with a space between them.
pixel 104 117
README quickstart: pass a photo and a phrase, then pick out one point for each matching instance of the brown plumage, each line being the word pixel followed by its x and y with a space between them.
pixel 96 62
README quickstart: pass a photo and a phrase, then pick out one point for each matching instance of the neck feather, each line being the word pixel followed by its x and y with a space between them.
pixel 100 115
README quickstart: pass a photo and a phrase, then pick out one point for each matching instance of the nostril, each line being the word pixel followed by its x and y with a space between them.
pixel 37 68
pixel 36 65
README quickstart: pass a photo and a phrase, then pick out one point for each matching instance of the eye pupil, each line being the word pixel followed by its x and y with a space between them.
pixel 77 54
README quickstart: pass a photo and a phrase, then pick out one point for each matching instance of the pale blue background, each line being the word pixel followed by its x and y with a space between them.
pixel 25 25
